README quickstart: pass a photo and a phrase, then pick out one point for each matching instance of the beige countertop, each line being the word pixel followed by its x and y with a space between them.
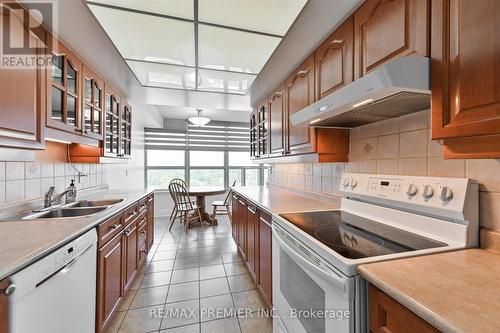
pixel 276 199
pixel 455 291
pixel 24 241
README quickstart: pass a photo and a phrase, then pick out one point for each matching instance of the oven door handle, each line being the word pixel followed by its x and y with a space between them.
pixel 294 253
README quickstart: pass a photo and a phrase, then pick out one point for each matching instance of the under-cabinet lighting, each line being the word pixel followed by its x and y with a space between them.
pixel 367 101
pixel 58 141
pixel 314 121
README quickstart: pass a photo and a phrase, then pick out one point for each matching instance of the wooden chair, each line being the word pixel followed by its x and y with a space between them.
pixel 174 213
pixel 219 204
pixel 183 205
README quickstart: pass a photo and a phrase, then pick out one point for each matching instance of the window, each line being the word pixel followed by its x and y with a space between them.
pixel 165 158
pixel 206 158
pixel 252 177
pixel 235 175
pixel 206 177
pixel 240 158
pixel 212 155
pixel 159 179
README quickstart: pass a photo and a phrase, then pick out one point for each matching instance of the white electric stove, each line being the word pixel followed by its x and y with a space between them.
pixel 315 254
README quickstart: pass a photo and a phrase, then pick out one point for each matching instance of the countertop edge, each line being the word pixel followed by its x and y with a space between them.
pixel 18 265
pixel 419 309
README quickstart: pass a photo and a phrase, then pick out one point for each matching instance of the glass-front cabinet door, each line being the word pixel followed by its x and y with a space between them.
pixel 126 131
pixel 93 104
pixel 64 91
pixel 112 123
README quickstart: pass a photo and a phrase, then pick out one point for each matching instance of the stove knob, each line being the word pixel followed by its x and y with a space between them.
pixel 354 183
pixel 428 192
pixel 346 182
pixel 446 194
pixel 411 190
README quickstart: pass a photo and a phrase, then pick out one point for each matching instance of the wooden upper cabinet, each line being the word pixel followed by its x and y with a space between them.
pixel 126 131
pixel 263 129
pixel 112 106
pixel 334 60
pixel 92 104
pixel 64 90
pixel 22 101
pixel 299 93
pixel 388 29
pixel 277 128
pixel 465 76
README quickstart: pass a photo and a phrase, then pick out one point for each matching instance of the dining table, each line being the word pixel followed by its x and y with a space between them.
pixel 201 192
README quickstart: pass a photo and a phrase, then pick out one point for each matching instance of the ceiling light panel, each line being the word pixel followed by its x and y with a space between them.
pixel 226 82
pixel 269 16
pixel 146 37
pixel 164 76
pixel 179 8
pixel 233 50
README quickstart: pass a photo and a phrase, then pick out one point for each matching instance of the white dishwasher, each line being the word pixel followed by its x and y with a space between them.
pixel 56 294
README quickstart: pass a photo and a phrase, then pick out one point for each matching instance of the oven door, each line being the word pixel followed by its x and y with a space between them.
pixel 308 293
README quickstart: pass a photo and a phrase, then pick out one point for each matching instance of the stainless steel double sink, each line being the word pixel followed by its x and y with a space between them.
pixel 82 208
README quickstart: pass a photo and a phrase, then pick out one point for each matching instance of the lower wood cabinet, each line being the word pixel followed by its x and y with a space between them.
pixel 265 258
pixel 130 241
pixel 123 246
pixel 252 240
pixel 110 291
pixel 252 232
pixel 4 303
pixel 388 316
pixel 150 230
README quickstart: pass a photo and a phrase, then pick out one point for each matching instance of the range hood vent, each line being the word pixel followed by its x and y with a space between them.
pixel 398 88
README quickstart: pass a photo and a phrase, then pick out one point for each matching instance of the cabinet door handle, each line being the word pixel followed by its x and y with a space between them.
pixel 127 232
pixel 115 226
pixel 300 73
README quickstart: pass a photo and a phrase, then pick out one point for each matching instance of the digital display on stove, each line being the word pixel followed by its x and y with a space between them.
pixel 355 237
pixel 384 183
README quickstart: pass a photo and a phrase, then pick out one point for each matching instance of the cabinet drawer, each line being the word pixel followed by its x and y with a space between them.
pixel 130 213
pixel 108 229
pixel 143 227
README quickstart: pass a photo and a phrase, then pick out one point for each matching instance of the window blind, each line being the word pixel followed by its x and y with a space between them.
pixel 218 136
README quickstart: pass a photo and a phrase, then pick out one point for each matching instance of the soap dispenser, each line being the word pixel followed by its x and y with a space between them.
pixel 72 192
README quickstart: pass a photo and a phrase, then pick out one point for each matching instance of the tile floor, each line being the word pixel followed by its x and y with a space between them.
pixel 192 283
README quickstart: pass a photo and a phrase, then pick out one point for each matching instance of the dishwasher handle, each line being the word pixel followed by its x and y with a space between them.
pixel 66 268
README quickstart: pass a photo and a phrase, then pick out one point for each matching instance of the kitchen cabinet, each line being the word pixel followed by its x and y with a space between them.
pixel 64 90
pixel 242 227
pixel 389 29
pixel 334 60
pixel 259 131
pixel 277 125
pixel 23 97
pixel 92 104
pixel 130 242
pixel 126 131
pixel 123 247
pixel 234 216
pixel 112 123
pixel 299 93
pixel 465 70
pixel 252 218
pixel 110 289
pixel 388 316
pixel 150 221
pixel 265 255
pixel 4 303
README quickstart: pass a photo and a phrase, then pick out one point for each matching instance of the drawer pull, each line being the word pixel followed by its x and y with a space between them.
pixel 127 232
pixel 115 226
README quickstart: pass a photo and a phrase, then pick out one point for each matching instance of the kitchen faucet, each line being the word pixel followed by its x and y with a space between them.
pixel 50 198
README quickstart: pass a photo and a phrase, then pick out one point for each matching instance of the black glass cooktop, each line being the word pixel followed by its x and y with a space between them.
pixel 355 237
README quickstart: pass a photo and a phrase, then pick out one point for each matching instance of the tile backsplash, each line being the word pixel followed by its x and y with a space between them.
pixel 30 180
pixel 398 146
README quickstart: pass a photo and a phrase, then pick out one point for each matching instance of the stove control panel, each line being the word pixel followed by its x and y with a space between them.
pixel 444 194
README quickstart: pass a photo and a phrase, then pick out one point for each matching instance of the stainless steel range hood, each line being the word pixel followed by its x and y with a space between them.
pixel 399 87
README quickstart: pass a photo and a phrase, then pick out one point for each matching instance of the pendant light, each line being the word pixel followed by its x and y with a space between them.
pixel 199 120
